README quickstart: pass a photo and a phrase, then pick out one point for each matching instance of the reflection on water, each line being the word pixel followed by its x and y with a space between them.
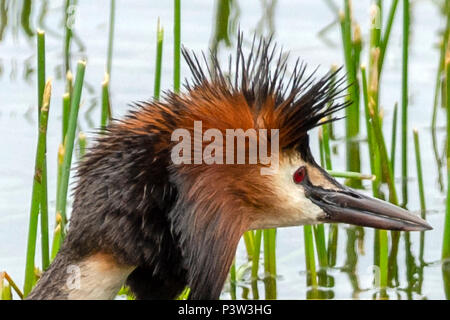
pixel 413 258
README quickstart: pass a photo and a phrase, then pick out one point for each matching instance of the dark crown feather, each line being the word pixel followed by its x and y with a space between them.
pixel 301 102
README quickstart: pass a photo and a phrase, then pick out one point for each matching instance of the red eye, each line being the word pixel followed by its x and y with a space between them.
pixel 299 175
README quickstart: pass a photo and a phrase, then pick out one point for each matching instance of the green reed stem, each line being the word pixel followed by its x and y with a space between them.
pixel 434 114
pixel 57 236
pixel 11 282
pixel 394 139
pixel 82 144
pixel 383 258
pixel 331 249
pixel 249 243
pixel 25 17
pixel 333 233
pixel 40 67
pixel 387 32
pixel 255 263
pixel 176 45
pixel 446 240
pixel 69 143
pixel 351 175
pixel 321 151
pixel 112 11
pixel 385 163
pixel 376 141
pixel 65 116
pixel 419 172
pixel 270 263
pixel 68 16
pixel 44 197
pixel 319 236
pixel 69 84
pixel 37 191
pixel 370 138
pixel 309 255
pixel 222 24
pixel 233 281
pixel 351 112
pixel 319 230
pixel 158 65
pixel 184 295
pixel 45 255
pixel 106 107
pixel 5 292
pixel 405 44
pixel 446 278
pixel 326 146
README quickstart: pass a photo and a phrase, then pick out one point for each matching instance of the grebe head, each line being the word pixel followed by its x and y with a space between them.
pixel 245 145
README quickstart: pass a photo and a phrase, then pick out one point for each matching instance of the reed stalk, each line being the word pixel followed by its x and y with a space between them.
pixel 106 107
pixel 65 117
pixel 383 260
pixel 319 236
pixel 249 243
pixel 37 191
pixel 351 175
pixel 385 163
pixel 112 12
pixel 82 144
pixel 69 83
pixel 270 263
pixel 44 196
pixel 61 201
pixel 351 112
pixel 419 172
pixel 222 24
pixel 439 73
pixel 394 139
pixel 331 249
pixel 57 236
pixel 233 281
pixel 321 151
pixel 434 115
pixel 326 146
pixel 4 275
pixel 158 65
pixel 309 255
pixel 255 263
pixel 5 292
pixel 40 67
pixel 319 229
pixel 373 154
pixel 176 45
pixel 67 34
pixel 376 140
pixel 446 240
pixel 387 32
pixel 45 255
pixel 405 46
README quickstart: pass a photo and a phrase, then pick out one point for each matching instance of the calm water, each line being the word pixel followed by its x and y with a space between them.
pixel 296 25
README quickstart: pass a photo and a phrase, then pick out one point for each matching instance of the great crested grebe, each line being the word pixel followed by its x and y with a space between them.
pixel 138 218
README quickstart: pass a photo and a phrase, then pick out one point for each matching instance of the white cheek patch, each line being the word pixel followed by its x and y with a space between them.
pixel 301 209
pixel 293 208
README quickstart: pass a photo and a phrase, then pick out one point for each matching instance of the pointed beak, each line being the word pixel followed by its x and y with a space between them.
pixel 349 206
